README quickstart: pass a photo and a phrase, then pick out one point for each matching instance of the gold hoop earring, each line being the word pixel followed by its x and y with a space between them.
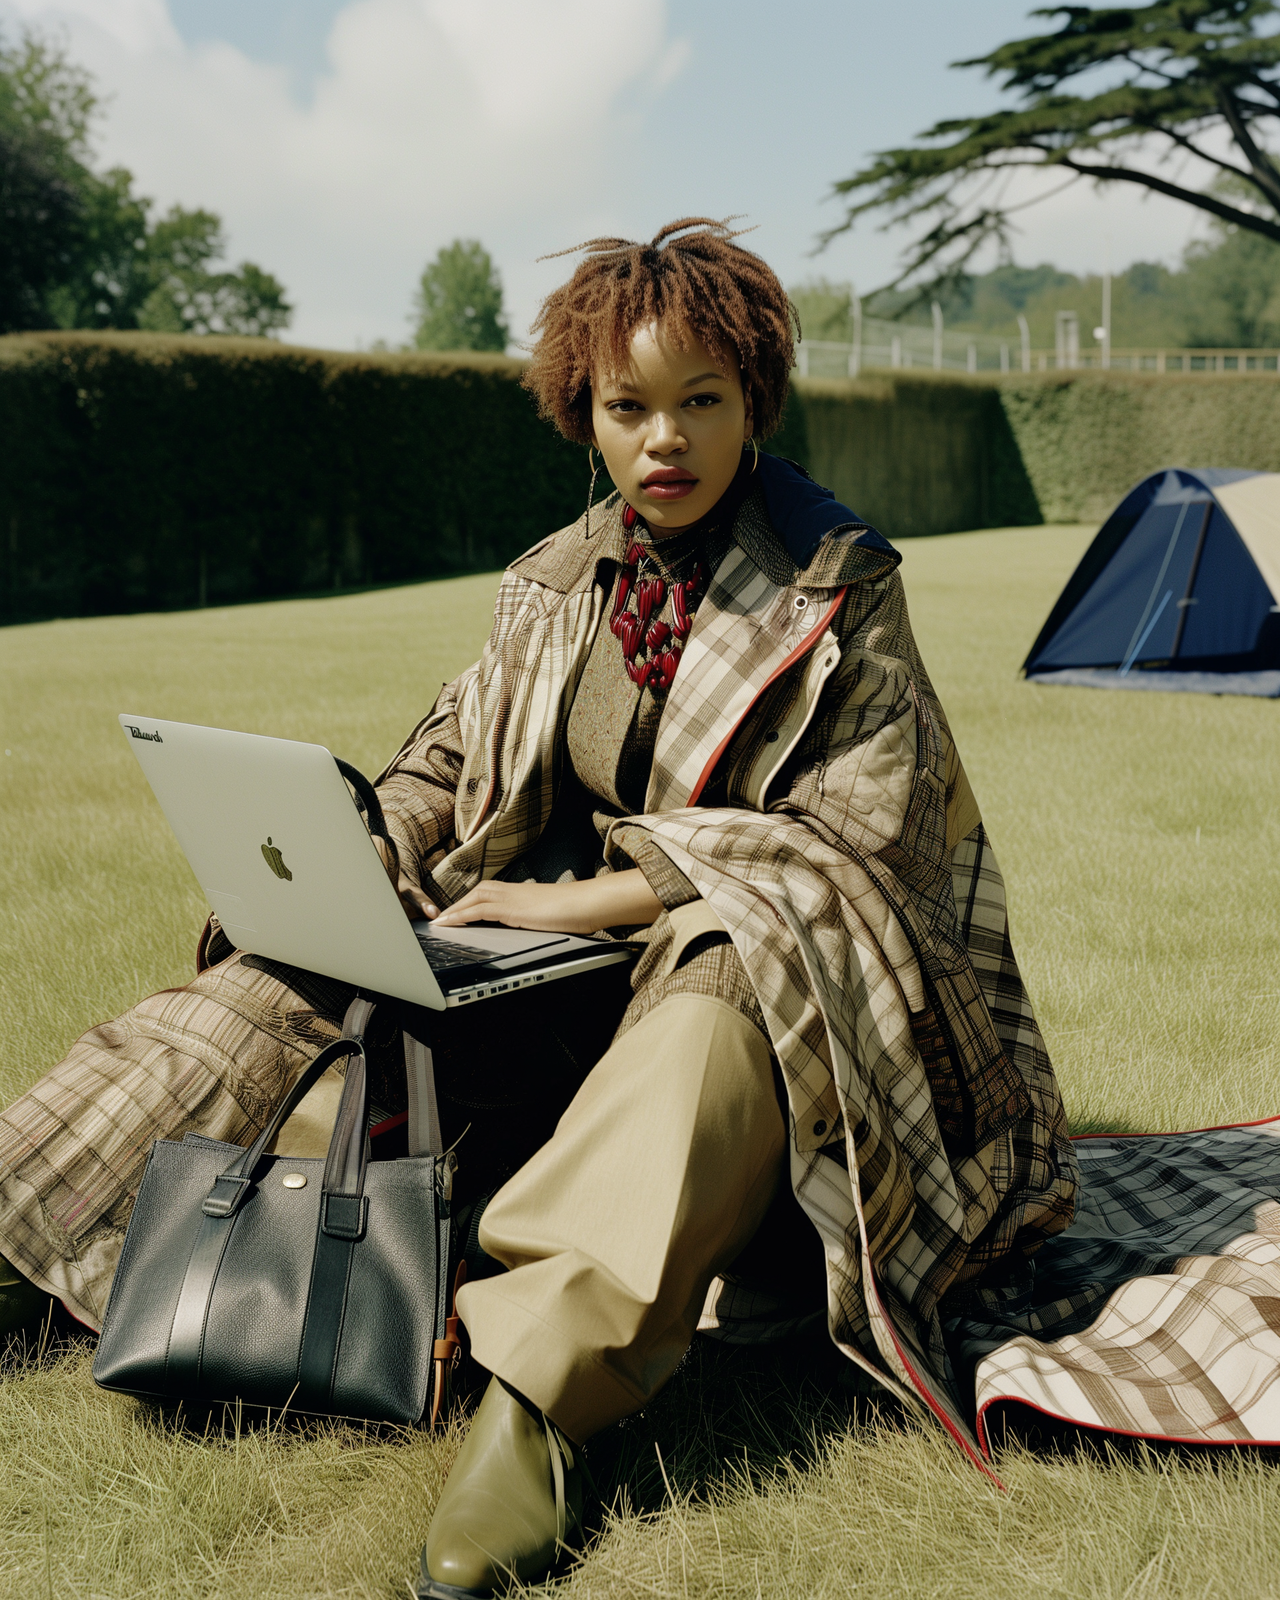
pixel 591 488
pixel 755 453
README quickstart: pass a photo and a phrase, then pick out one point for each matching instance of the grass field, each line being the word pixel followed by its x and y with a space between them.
pixel 1138 834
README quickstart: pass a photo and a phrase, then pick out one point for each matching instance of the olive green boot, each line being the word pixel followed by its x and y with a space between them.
pixel 23 1308
pixel 511 1504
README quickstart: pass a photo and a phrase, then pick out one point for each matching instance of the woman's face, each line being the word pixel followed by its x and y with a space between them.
pixel 670 428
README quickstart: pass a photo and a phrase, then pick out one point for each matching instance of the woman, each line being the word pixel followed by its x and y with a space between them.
pixel 700 718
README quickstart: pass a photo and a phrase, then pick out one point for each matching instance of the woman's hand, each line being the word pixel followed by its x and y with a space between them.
pixel 615 900
pixel 416 904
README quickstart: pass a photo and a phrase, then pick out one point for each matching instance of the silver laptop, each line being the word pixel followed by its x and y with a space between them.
pixel 282 852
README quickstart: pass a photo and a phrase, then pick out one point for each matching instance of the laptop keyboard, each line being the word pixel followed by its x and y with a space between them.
pixel 442 954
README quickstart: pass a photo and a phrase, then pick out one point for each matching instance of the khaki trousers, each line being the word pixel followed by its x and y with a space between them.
pixel 657 1175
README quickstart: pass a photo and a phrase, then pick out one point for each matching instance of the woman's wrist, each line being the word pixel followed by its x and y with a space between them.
pixel 623 899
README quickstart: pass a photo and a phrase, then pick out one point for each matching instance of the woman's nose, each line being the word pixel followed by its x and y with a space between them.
pixel 665 437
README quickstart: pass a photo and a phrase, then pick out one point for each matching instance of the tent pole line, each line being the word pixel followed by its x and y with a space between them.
pixel 1185 604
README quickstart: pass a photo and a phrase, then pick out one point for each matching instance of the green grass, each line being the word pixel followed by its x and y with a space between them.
pixel 1138 837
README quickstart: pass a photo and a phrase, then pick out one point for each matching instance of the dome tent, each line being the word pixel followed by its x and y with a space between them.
pixel 1180 590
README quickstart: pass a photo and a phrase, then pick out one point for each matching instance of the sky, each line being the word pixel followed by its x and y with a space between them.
pixel 343 142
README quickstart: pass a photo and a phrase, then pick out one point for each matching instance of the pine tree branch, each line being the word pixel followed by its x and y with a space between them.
pixel 1265 174
pixel 1186 144
pixel 1268 88
pixel 1192 197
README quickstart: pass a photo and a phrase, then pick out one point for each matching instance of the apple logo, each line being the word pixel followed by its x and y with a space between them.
pixel 271 854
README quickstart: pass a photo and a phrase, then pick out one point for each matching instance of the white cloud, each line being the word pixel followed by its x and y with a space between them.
pixel 488 118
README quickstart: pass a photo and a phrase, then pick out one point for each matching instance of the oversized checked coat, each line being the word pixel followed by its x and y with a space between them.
pixel 847 859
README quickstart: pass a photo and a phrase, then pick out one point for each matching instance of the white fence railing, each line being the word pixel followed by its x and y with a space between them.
pixel 910 346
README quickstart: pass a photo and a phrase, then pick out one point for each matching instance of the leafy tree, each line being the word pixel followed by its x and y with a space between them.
pixel 459 301
pixel 39 224
pixel 1230 291
pixel 189 298
pixel 1172 78
pixel 78 248
pixel 43 118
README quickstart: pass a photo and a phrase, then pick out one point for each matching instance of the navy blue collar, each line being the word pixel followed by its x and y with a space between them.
pixel 803 513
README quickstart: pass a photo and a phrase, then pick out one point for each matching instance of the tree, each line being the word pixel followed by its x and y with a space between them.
pixel 189 298
pixel 1230 290
pixel 44 109
pixel 1177 76
pixel 459 301
pixel 78 248
pixel 40 225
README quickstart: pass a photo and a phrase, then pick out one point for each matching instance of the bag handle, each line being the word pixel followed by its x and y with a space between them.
pixel 368 802
pixel 343 1214
pixel 345 1163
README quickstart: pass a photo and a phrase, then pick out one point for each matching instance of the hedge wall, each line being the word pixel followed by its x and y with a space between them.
pixel 916 453
pixel 142 472
pixel 145 472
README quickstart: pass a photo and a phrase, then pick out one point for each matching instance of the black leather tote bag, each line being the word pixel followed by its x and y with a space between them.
pixel 277 1281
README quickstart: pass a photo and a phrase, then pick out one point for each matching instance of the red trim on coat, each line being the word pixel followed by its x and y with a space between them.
pixel 799 651
pixel 388 1124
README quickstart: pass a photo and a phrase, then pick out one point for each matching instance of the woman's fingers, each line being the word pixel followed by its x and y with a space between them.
pixel 487 902
pixel 416 904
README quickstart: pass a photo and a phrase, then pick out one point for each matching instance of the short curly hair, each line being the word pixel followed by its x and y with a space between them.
pixel 692 278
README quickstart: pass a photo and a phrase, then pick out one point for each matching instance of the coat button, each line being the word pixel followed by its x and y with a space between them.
pixel 298 1180
pixel 771 738
pixel 819 1127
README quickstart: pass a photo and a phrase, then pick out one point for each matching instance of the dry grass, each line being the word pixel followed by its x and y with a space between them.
pixel 1138 837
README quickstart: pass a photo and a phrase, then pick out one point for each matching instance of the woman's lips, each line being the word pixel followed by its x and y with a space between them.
pixel 661 487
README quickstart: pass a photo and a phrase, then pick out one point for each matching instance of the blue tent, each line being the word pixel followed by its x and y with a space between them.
pixel 1180 590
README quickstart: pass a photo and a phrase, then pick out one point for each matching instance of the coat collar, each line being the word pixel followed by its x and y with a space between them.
pixel 796 532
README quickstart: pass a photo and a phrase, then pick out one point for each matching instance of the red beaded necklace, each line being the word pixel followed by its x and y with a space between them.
pixel 651 648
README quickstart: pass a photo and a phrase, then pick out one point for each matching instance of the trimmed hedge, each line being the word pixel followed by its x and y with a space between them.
pixel 145 471
pixel 917 453
pixel 1087 438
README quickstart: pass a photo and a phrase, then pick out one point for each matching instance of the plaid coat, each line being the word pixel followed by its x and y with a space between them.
pixel 848 861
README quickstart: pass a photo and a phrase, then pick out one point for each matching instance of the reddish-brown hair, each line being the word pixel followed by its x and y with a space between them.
pixel 693 279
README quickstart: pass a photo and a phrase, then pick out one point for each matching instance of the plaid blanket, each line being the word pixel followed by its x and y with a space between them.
pixel 1158 1312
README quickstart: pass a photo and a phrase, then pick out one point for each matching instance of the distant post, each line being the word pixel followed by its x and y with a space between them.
pixel 855 353
pixel 1066 340
pixel 937 337
pixel 1025 332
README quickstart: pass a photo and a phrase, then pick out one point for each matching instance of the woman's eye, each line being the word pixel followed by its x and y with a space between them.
pixel 622 405
pixel 702 401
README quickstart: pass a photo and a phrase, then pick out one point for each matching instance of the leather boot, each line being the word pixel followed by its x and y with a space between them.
pixel 23 1307
pixel 511 1503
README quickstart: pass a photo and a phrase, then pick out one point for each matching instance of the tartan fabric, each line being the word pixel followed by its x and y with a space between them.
pixel 801 706
pixel 214 1058
pixel 1158 1311
pixel 707 964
